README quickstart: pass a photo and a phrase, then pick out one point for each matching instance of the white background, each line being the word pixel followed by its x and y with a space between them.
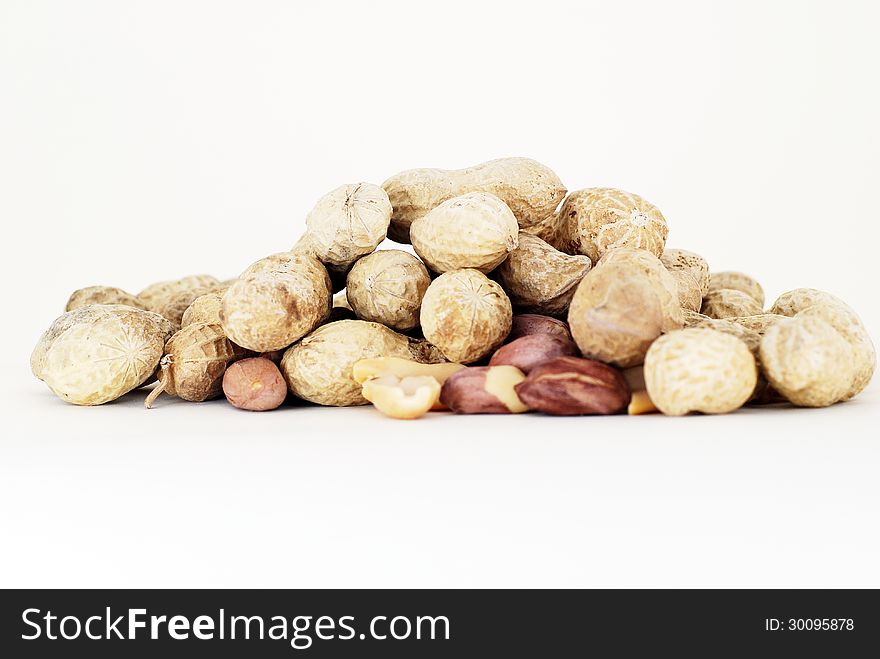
pixel 150 140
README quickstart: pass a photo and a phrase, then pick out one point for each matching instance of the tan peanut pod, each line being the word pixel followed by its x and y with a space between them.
pixel 222 287
pixel 466 315
pixel 603 219
pixel 387 287
pixel 348 223
pixel 724 303
pixel 337 274
pixel 622 305
pixel 531 190
pixel 541 279
pixel 793 302
pixel 759 322
pixel 194 363
pixel 737 281
pixel 176 305
pixel 102 295
pixel 204 309
pixel 807 361
pixel 749 336
pixel 691 273
pixel 689 295
pixel 155 295
pixel 276 301
pixel 699 370
pixel 692 318
pixel 475 230
pixel 319 367
pixel 97 353
pixel 690 262
pixel 850 327
pixel 556 232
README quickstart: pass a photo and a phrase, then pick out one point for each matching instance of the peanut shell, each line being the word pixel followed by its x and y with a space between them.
pixel 603 219
pixel 195 360
pixel 97 353
pixel 531 190
pixel 276 301
pixel 622 305
pixel 540 279
pixel 724 303
pixel 319 367
pixel 807 361
pixel 348 223
pixel 699 370
pixel 387 287
pixel 466 315
pixel 475 230
pixel 102 295
pixel 737 281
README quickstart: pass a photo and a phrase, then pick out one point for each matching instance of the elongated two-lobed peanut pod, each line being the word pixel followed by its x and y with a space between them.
pixel 154 296
pixel 319 368
pixel 102 295
pixel 531 190
pixel 97 353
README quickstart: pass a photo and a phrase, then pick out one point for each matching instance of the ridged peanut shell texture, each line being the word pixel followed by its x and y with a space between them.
pixel 807 361
pixel 466 315
pixel 387 287
pixel 195 360
pixel 97 353
pixel 809 302
pixel 849 326
pixel 319 368
pixel 683 260
pixel 691 273
pixel 155 295
pixel 276 301
pixel 176 304
pixel 475 230
pixel 603 219
pixel 723 303
pixel 204 309
pixel 541 279
pixel 348 223
pixel 102 295
pixel 752 338
pixel 622 305
pixel 699 370
pixel 799 299
pixel 531 190
pixel 737 281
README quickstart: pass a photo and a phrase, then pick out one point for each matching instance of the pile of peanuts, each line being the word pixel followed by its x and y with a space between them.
pixel 516 296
